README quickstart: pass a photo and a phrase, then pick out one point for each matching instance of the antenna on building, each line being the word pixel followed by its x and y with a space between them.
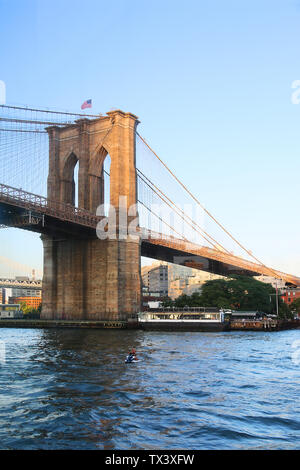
pixel 33 274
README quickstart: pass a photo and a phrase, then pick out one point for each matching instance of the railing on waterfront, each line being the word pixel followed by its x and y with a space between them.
pixel 185 309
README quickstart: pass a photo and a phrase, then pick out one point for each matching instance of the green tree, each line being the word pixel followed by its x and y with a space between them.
pixel 238 293
pixel 183 301
pixel 30 312
pixel 25 308
pixel 216 294
pixel 295 305
pixel 284 310
pixel 167 302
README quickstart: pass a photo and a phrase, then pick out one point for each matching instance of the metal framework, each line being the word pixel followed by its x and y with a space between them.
pixel 67 212
pixel 20 284
pixel 33 202
pixel 36 208
pixel 229 259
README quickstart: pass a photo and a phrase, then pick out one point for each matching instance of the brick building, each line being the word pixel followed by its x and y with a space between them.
pixel 33 302
pixel 289 295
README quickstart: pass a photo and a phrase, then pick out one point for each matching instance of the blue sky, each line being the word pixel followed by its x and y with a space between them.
pixel 210 81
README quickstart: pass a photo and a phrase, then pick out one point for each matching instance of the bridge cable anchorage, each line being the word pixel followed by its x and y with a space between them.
pixel 205 210
pixel 183 215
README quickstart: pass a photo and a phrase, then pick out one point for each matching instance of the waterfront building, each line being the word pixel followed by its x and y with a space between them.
pixel 184 280
pixel 289 295
pixel 33 302
pixel 6 293
pixel 145 270
pixel 173 280
pixel 10 311
pixel 176 288
pixel 271 280
pixel 156 279
pixel 22 292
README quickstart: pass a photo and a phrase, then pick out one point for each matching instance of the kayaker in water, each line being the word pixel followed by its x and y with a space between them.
pixel 131 356
pixel 133 353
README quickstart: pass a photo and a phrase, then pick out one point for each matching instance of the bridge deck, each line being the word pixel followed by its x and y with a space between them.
pixel 65 218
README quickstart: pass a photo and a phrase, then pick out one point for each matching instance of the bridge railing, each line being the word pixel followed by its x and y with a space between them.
pixel 201 250
pixel 67 212
pixel 226 258
pixel 34 202
pixel 185 309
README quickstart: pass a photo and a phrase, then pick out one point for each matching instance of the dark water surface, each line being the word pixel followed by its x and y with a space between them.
pixel 70 389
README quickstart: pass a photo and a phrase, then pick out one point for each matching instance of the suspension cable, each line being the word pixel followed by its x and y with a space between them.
pixel 156 215
pixel 49 111
pixel 185 215
pixel 202 207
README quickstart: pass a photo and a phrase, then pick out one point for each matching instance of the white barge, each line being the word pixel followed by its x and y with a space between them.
pixel 185 319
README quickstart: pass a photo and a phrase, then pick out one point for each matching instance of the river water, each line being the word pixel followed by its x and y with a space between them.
pixel 70 389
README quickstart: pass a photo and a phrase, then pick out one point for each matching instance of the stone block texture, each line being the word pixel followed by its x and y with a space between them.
pixel 92 279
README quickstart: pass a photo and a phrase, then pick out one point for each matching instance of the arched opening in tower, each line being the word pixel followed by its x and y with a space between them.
pixel 76 184
pixel 99 182
pixel 106 174
pixel 69 182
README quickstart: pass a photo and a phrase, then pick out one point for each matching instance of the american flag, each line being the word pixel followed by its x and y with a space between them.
pixel 86 104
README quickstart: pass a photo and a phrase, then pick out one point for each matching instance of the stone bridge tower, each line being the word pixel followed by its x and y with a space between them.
pixel 92 279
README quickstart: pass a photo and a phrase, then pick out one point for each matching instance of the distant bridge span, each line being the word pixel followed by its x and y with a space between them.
pixel 20 284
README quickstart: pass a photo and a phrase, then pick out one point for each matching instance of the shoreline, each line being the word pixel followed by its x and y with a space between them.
pixel 31 323
pixel 117 324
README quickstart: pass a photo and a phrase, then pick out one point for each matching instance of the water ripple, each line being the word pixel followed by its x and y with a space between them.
pixel 70 389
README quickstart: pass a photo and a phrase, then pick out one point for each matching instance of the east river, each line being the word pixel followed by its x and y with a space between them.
pixel 71 389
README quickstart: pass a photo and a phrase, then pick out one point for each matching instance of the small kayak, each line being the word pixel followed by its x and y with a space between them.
pixel 130 360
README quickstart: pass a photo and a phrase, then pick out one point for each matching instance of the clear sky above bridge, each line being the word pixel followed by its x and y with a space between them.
pixel 210 81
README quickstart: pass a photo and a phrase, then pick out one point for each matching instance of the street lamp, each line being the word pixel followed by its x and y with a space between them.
pixel 277 300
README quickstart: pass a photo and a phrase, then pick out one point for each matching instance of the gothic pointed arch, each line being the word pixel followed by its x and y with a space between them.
pixel 99 178
pixel 68 189
pixel 69 164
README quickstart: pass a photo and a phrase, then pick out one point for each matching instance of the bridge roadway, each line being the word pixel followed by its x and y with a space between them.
pixel 28 211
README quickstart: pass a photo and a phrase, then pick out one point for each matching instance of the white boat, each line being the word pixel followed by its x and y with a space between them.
pixel 188 319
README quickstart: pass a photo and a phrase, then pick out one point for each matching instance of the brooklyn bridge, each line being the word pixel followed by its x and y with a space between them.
pixel 71 178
